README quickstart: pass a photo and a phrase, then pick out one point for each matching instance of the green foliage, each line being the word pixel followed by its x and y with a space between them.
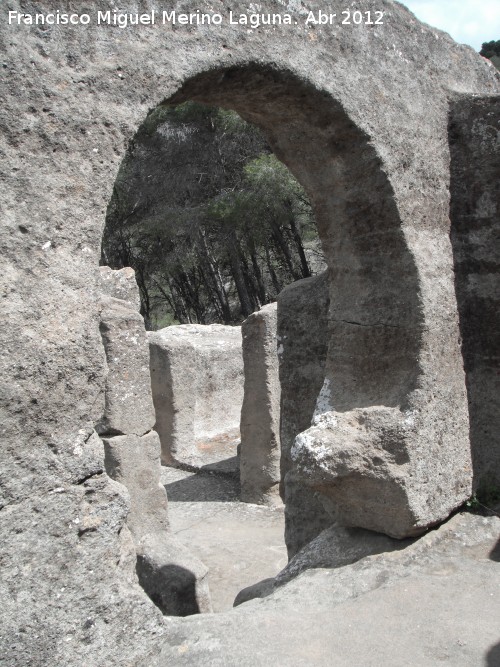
pixel 485 500
pixel 211 221
pixel 490 49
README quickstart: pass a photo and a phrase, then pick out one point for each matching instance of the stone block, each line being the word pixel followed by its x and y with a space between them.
pixel 197 383
pixel 260 413
pixel 128 401
pixel 135 462
pixel 120 284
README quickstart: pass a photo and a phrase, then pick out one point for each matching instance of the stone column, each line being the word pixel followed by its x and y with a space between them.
pixel 260 413
pixel 172 577
pixel 302 349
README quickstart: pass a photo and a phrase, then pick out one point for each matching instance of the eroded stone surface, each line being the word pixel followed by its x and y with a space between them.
pixel 333 548
pixel 475 214
pixel 197 384
pixel 129 406
pixel 260 413
pixel 302 350
pixel 71 100
pixel 378 610
pixel 120 284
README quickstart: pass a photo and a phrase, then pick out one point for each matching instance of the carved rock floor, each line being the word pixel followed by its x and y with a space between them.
pixel 240 543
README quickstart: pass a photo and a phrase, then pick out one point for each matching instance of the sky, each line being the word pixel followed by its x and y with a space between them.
pixel 467 21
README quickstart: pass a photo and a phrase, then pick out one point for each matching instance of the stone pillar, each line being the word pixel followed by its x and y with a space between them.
pixel 302 349
pixel 475 212
pixel 173 578
pixel 260 413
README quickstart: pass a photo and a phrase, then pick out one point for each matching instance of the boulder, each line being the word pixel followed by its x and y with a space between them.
pixel 197 384
pixel 260 413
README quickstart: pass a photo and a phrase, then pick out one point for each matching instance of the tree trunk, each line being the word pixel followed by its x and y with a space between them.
pixel 306 271
pixel 239 280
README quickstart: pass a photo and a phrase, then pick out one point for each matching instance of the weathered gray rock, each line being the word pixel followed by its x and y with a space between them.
pixel 361 119
pixel 333 548
pixel 129 406
pixel 197 384
pixel 303 345
pixel 376 611
pixel 134 461
pixel 173 578
pixel 260 413
pixel 360 463
pixel 80 508
pixel 475 234
pixel 120 284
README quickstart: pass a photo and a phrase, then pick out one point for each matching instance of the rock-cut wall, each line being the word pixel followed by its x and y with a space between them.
pixel 359 114
pixel 474 132
pixel 173 578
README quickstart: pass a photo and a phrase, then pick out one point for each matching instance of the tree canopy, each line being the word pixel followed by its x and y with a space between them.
pixel 213 224
pixel 490 49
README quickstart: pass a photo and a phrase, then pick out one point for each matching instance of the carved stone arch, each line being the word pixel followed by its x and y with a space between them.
pixel 387 425
pixel 71 99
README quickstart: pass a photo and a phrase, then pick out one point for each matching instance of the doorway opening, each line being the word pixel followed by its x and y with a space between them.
pixel 374 314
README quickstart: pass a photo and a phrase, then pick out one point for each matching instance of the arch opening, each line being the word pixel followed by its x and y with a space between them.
pixel 374 321
pixel 374 328
pixel 375 318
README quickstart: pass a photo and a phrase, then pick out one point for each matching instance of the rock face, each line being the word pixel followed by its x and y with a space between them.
pixel 197 383
pixel 120 284
pixel 360 116
pixel 302 350
pixel 378 610
pixel 260 413
pixel 333 548
pixel 475 234
pixel 129 408
pixel 173 578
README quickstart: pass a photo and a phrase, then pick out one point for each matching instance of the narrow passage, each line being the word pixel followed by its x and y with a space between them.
pixel 240 543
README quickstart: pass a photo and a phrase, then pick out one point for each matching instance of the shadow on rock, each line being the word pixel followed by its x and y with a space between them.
pixel 493 656
pixel 495 556
pixel 172 589
pixel 205 485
